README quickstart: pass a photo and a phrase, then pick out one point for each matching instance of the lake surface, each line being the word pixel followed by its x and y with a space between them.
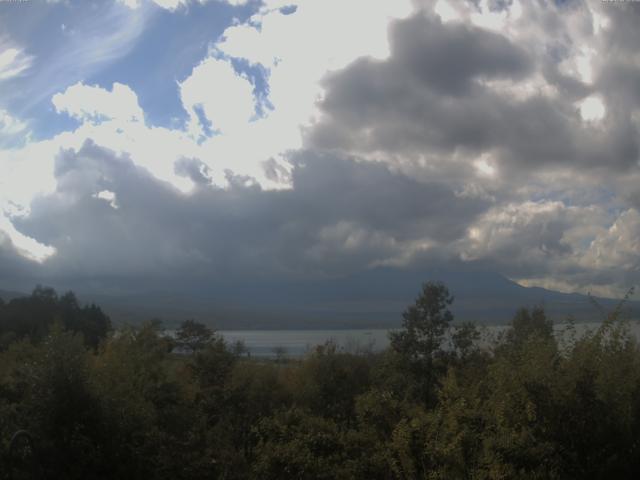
pixel 297 343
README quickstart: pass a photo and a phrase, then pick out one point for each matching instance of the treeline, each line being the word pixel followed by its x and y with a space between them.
pixel 31 317
pixel 438 404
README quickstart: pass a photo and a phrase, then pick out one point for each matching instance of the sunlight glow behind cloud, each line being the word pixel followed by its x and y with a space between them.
pixel 26 246
pixel 592 109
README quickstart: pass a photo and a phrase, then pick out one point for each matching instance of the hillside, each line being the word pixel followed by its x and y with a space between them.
pixel 7 295
pixel 372 299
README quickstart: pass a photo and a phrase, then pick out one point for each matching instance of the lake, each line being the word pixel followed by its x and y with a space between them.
pixel 296 343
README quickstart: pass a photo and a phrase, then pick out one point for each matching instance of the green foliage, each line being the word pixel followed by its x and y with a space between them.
pixel 419 343
pixel 329 381
pixel 193 336
pixel 435 405
pixel 465 339
pixel 143 395
pixel 46 389
pixel 63 411
pixel 425 323
pixel 526 324
pixel 299 445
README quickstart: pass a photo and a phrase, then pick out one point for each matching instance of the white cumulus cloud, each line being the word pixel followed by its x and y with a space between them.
pixel 93 103
pixel 224 96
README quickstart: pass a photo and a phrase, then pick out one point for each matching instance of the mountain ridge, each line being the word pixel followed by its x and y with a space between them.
pixel 366 300
pixel 371 299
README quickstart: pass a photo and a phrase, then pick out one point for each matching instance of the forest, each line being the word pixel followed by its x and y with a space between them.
pixel 80 399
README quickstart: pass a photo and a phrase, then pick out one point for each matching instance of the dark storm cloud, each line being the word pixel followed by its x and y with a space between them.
pixel 450 93
pixel 194 169
pixel 12 264
pixel 397 105
pixel 340 215
pixel 449 58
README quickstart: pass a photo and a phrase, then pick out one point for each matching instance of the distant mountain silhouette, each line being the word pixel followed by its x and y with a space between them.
pixel 369 299
pixel 7 295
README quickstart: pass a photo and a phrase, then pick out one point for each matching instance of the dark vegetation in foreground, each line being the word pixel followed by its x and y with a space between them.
pixel 103 404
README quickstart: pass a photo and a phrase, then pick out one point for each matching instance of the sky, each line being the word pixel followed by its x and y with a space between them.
pixel 204 140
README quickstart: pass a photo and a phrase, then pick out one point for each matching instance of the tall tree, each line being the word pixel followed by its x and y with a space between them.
pixel 526 324
pixel 425 323
pixel 193 336
pixel 419 344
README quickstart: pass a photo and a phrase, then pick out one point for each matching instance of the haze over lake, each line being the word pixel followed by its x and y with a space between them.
pixel 297 343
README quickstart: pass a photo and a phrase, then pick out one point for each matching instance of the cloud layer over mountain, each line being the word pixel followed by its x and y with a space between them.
pixel 315 139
